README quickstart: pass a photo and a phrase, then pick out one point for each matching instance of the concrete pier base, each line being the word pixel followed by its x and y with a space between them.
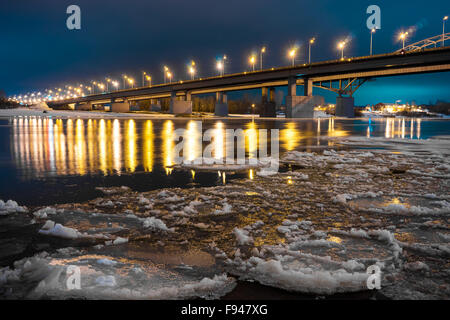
pixel 180 106
pixel 83 106
pixel 302 106
pixel 120 107
pixel 221 109
pixel 345 107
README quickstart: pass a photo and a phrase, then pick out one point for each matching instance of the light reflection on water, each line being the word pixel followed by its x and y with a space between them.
pixel 43 146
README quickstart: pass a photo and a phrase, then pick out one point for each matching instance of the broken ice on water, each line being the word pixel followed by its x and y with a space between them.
pixel 312 228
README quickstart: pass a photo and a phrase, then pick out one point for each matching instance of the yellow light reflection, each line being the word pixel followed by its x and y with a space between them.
pixel 130 151
pixel 148 146
pixel 251 141
pixel 80 147
pixel 219 146
pixel 290 137
pixel 70 146
pixel 168 145
pixel 102 147
pixel 117 146
pixel 192 145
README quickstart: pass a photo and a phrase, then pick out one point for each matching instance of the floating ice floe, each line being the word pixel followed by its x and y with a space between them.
pixel 44 213
pixel 58 230
pixel 11 206
pixel 46 276
pixel 156 224
pixel 242 237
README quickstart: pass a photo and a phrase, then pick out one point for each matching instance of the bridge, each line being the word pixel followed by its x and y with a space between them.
pixel 343 77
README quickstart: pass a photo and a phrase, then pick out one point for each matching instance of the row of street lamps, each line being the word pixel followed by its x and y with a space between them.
pixel 192 69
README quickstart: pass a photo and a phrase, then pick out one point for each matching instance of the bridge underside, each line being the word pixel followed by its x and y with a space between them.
pixel 343 77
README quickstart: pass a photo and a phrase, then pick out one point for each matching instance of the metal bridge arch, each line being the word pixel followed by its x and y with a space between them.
pixel 429 42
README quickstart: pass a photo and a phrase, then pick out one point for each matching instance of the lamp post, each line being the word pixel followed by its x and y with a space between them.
pixel 341 46
pixel 220 67
pixel 191 69
pixel 263 50
pixel 371 40
pixel 224 62
pixel 443 30
pixel 166 70
pixel 311 42
pixel 143 78
pixel 149 80
pixel 292 54
pixel 252 61
pixel 403 36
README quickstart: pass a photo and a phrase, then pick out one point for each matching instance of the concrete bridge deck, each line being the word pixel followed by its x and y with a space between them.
pixel 320 74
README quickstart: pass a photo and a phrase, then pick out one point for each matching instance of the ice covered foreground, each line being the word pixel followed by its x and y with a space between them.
pixel 313 228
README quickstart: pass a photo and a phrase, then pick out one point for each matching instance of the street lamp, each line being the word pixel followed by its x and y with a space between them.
pixel 107 81
pixel 292 55
pixel 341 46
pixel 149 80
pixel 191 69
pixel 311 42
pixel 443 30
pixel 252 61
pixel 166 70
pixel 169 75
pixel 263 50
pixel 143 78
pixel 224 62
pixel 131 81
pixel 220 67
pixel 371 40
pixel 403 36
pixel 115 84
pixel 125 77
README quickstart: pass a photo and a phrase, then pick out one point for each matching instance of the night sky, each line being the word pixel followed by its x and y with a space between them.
pixel 126 37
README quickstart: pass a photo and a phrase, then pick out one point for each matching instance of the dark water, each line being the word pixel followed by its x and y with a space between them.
pixel 44 160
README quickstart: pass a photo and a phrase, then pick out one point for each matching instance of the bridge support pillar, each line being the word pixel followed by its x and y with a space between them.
pixel 268 104
pixel 301 106
pixel 179 106
pixel 308 87
pixel 120 106
pixel 345 107
pixel 83 106
pixel 221 106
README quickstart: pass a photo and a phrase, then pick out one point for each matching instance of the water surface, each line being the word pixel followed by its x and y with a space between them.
pixel 45 160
